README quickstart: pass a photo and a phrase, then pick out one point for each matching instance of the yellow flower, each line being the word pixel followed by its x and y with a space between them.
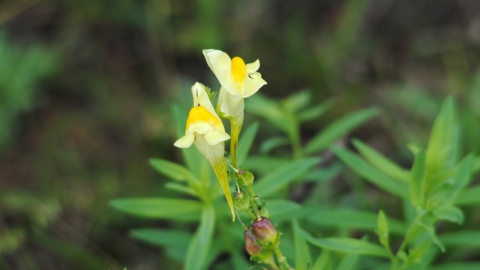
pixel 235 76
pixel 205 130
pixel 239 81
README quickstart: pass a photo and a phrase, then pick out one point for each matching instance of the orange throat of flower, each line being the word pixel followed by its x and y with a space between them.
pixel 200 114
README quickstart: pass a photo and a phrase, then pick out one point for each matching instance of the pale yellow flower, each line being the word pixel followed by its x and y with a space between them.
pixel 234 75
pixel 205 130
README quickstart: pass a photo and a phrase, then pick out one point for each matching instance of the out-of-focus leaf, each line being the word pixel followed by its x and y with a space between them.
pixel 462 239
pixel 199 247
pixel 347 245
pixel 450 213
pixel 338 129
pixel 282 209
pixel 172 170
pixel 181 188
pixel 281 177
pixel 175 209
pixel 368 172
pixel 417 180
pixel 468 196
pixel 323 261
pixel 441 151
pixel 315 112
pixel 265 164
pixel 273 143
pixel 157 237
pixel 351 219
pixel 382 163
pixel 431 231
pixel 319 175
pixel 383 232
pixel 456 266
pixel 348 262
pixel 297 101
pixel 268 109
pixel 302 253
pixel 476 165
pixel 246 141
pixel 461 179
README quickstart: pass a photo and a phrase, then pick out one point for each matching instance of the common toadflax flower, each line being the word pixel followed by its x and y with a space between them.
pixel 239 81
pixel 205 130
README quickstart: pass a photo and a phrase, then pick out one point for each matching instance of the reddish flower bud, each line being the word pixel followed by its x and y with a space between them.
pixel 266 233
pixel 250 245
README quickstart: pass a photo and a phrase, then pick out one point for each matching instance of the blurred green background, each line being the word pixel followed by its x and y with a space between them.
pixel 86 89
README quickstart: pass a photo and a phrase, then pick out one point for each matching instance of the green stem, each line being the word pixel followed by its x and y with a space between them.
pixel 251 194
pixel 282 260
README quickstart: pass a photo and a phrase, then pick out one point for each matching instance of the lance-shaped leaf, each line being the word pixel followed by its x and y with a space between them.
pixel 417 180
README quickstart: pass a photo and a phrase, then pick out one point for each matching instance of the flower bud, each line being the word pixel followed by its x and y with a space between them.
pixel 241 202
pixel 245 178
pixel 266 233
pixel 256 251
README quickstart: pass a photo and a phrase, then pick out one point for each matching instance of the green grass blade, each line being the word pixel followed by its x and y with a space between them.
pixel 338 129
pixel 463 239
pixel 468 196
pixel 283 176
pixel 417 180
pixel 367 171
pixel 314 112
pixel 173 170
pixel 163 238
pixel 348 262
pixel 302 253
pixel 347 245
pixel 323 261
pixel 353 219
pixel 382 163
pixel 199 247
pixel 175 209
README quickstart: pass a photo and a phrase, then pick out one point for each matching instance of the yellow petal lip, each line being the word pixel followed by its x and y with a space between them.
pixel 233 74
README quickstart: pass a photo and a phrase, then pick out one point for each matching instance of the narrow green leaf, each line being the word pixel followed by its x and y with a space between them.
pixel 282 176
pixel 456 266
pixel 265 164
pixel 175 209
pixel 297 101
pixel 245 143
pixel 181 188
pixel 273 143
pixel 324 174
pixel 352 219
pixel 417 180
pixel 431 231
pixel 382 163
pixel 314 112
pixel 450 213
pixel 199 247
pixel 172 170
pixel 468 196
pixel 383 232
pixel 461 179
pixel 462 239
pixel 302 253
pixel 268 109
pixel 283 210
pixel 441 152
pixel 347 245
pixel 371 174
pixel 323 261
pixel 476 165
pixel 164 238
pixel 338 129
pixel 348 262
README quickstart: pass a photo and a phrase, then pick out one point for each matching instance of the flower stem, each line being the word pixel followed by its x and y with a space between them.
pixel 282 260
pixel 251 194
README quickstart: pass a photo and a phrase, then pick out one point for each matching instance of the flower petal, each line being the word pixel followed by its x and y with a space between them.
pixel 185 141
pixel 253 82
pixel 214 136
pixel 221 65
pixel 199 127
pixel 253 67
